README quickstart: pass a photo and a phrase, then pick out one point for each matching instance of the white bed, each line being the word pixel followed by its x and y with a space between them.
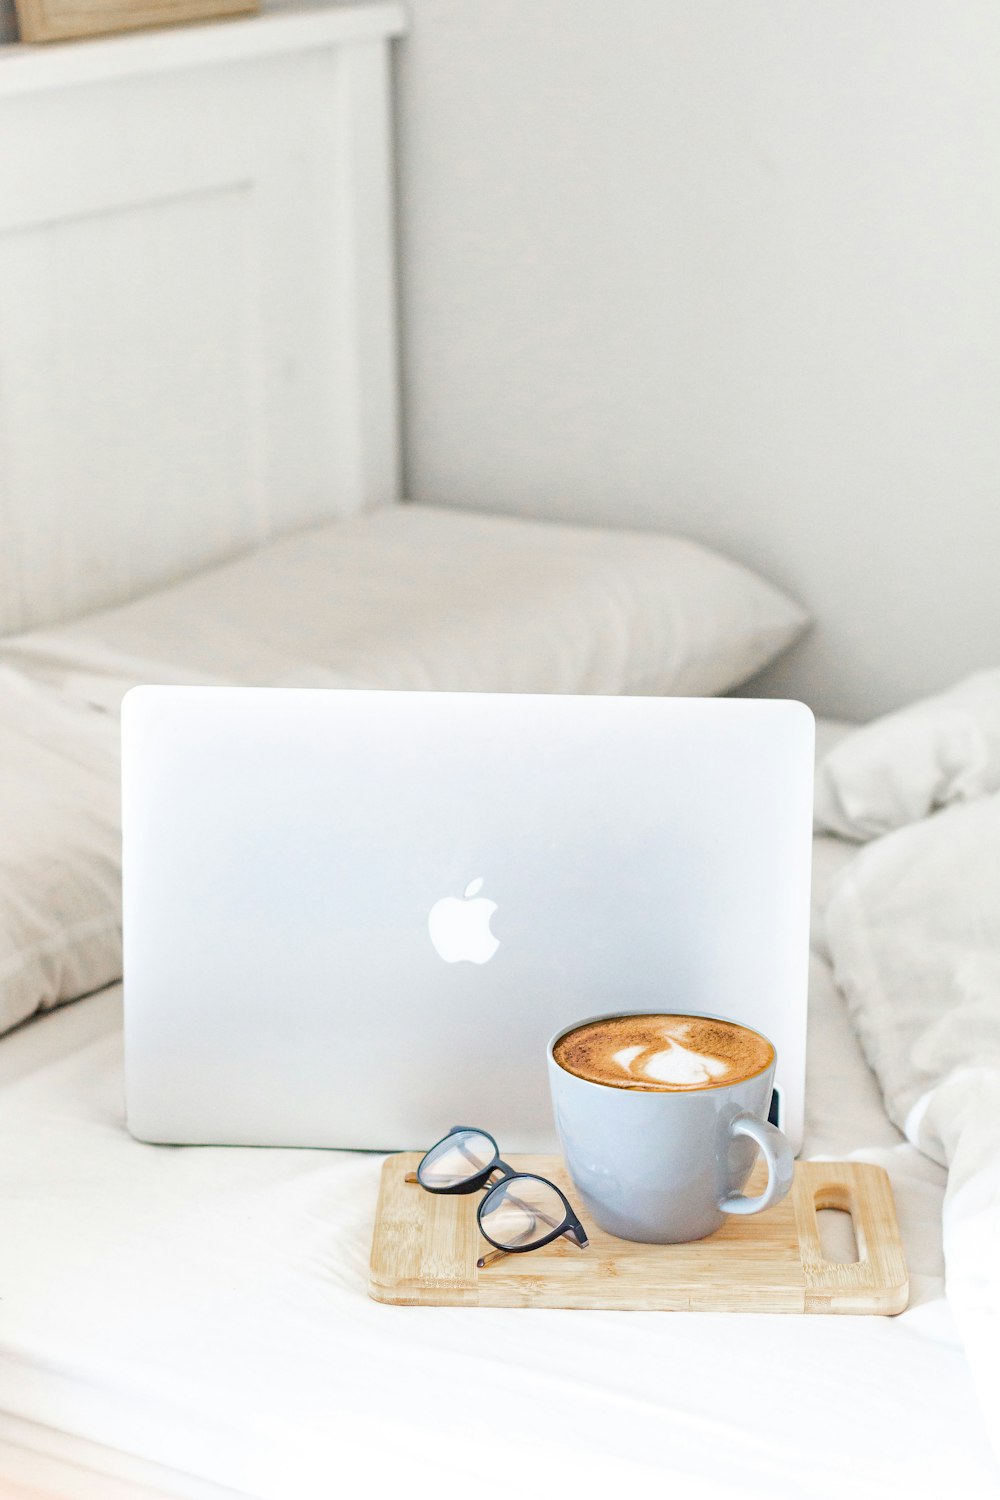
pixel 196 1320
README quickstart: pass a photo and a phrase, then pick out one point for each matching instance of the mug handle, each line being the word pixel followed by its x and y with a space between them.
pixel 776 1152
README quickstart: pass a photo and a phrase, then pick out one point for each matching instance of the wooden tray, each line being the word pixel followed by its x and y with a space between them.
pixel 425 1248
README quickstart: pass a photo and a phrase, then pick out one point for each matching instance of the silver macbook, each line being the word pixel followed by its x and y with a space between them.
pixel 355 918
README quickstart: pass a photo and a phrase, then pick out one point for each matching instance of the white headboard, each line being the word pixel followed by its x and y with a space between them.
pixel 197 320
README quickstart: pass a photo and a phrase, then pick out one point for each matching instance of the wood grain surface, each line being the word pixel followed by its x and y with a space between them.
pixel 62 20
pixel 425 1247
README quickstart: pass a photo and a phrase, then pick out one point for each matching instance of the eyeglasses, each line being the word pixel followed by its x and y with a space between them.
pixel 520 1211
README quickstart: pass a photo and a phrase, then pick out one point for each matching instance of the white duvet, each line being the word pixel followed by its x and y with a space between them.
pixel 913 927
pixel 197 1319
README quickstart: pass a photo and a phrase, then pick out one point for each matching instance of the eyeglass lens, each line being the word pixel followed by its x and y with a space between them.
pixel 461 1155
pixel 520 1211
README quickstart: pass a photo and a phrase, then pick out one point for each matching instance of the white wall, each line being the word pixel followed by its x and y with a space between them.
pixel 728 267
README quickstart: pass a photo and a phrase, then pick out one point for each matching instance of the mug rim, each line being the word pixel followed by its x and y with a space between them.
pixel 702 1015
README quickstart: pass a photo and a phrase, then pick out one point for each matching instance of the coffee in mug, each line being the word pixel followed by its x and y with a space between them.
pixel 661 1115
pixel 663 1052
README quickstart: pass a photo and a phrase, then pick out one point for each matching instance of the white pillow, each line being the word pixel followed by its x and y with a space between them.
pixel 409 596
pixel 901 767
pixel 59 850
pixel 419 597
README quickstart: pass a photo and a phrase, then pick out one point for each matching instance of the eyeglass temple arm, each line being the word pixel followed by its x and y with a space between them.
pixel 491 1257
pixel 569 1233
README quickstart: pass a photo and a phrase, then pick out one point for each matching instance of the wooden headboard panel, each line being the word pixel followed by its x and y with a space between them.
pixel 197 318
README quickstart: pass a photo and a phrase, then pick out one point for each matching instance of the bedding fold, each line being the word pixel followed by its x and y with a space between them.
pixel 913 931
pixel 905 765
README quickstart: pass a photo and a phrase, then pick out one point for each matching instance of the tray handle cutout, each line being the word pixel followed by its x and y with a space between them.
pixel 877 1280
pixel 837 1238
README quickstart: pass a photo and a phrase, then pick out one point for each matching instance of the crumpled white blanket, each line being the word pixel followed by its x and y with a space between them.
pixel 913 930
pixel 904 766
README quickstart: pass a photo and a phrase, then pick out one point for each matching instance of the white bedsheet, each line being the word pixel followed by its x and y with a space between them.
pixel 199 1317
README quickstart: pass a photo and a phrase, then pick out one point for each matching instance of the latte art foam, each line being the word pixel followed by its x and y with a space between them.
pixel 669 1052
pixel 674 1064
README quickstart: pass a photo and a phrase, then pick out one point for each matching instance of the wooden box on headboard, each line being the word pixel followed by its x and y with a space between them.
pixel 61 20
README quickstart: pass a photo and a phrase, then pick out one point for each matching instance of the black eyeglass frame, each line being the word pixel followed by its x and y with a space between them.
pixel 480 1180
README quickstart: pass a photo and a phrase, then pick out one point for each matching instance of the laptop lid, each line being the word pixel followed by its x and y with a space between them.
pixel 354 918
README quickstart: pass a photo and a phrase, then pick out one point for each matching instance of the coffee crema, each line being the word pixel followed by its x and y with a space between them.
pixel 663 1052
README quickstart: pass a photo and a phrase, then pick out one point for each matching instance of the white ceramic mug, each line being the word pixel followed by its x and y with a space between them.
pixel 666 1165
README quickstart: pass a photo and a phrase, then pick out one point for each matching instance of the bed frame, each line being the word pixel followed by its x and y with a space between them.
pixel 197 314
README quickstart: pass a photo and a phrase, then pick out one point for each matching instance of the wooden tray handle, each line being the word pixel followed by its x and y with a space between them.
pixel 864 1192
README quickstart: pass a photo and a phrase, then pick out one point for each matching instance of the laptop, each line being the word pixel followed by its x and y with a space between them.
pixel 354 918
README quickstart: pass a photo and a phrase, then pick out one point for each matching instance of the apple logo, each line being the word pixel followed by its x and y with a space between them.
pixel 460 929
